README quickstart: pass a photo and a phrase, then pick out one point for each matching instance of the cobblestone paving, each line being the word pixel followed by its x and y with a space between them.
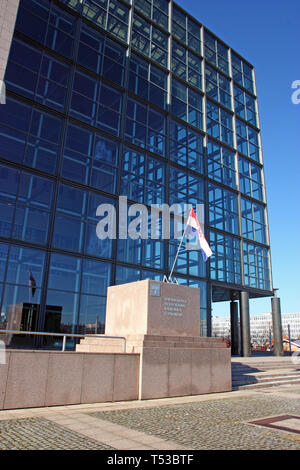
pixel 215 424
pixel 41 434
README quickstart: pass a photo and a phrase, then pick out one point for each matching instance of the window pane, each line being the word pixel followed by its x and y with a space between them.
pixel 22 261
pixel 95 277
pixel 64 273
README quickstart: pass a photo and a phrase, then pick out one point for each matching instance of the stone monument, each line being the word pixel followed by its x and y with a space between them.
pixel 161 322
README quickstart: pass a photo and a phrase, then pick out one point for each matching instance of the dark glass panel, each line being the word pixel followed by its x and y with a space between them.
pixel 51 94
pixel 9 182
pixel 45 126
pixel 61 316
pixel 64 273
pixel 6 218
pixel 35 191
pixel 31 25
pixel 94 246
pixel 31 225
pixel 12 144
pixel 79 139
pixel 71 201
pixel 41 155
pixel 22 261
pixel 92 314
pixel 125 275
pixel 95 277
pixel 103 177
pixel 16 115
pixel 76 167
pixel 68 233
pixel 3 260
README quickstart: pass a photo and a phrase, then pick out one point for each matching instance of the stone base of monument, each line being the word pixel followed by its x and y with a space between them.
pixel 172 366
pixel 161 322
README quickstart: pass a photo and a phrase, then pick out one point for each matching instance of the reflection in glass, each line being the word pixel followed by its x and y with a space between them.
pixel 20 312
pixel 92 314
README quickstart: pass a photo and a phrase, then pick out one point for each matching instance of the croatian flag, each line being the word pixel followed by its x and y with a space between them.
pixel 193 227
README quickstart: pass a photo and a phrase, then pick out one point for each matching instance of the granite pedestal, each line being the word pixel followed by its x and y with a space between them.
pixel 161 322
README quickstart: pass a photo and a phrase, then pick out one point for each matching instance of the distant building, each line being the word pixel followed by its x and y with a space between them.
pixel 260 327
pixel 221 327
pixel 292 319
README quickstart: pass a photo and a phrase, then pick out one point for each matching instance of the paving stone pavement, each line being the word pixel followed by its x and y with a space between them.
pixel 41 434
pixel 216 424
pixel 217 421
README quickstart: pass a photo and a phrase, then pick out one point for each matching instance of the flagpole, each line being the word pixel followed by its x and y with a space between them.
pixel 178 249
pixel 29 286
pixel 206 251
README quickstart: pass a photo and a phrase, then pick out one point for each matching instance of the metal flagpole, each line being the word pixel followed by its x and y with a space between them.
pixel 29 286
pixel 289 333
pixel 170 275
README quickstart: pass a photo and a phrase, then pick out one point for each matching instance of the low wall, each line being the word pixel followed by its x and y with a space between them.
pixel 31 379
pixel 177 372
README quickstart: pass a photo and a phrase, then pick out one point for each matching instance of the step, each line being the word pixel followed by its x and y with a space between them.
pixel 259 358
pixel 263 367
pixel 278 370
pixel 254 379
pixel 265 384
pixel 264 372
pixel 265 364
pixel 267 372
pixel 181 339
pixel 110 341
pixel 94 348
pixel 265 379
pixel 182 345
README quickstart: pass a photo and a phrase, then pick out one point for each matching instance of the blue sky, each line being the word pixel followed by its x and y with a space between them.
pixel 266 33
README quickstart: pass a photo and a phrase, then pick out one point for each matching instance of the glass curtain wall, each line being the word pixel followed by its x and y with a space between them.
pixel 108 98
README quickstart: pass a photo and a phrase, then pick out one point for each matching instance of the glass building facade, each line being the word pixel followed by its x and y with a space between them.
pixel 137 98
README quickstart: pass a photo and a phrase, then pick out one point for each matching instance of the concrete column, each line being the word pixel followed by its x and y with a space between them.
pixel 245 324
pixel 8 14
pixel 234 324
pixel 277 328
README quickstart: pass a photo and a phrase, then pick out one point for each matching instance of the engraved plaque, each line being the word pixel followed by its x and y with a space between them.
pixel 154 290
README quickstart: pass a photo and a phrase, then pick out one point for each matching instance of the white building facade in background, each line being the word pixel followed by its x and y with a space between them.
pixel 260 327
